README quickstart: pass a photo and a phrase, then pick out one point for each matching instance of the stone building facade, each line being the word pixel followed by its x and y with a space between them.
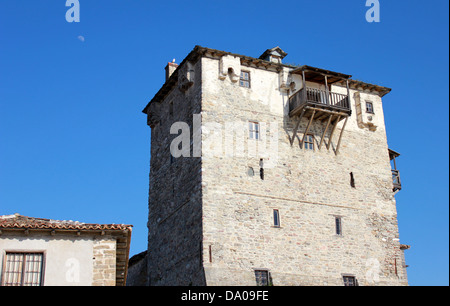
pixel 264 173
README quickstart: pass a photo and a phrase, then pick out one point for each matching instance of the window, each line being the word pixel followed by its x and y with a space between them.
pixel 23 269
pixel 369 107
pixel 350 281
pixel 309 142
pixel 338 226
pixel 276 218
pixel 263 278
pixel 244 80
pixel 253 129
pixel 352 180
pixel 261 169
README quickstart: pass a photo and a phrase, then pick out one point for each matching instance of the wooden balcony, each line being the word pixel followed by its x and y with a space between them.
pixel 320 105
pixel 395 173
pixel 396 180
pixel 321 100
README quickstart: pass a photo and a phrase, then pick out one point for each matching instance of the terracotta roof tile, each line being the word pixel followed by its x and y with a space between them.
pixel 19 221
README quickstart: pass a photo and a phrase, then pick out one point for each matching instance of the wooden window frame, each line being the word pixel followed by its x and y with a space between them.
pixel 276 218
pixel 370 109
pixel 254 130
pixel 259 273
pixel 338 226
pixel 350 281
pixel 309 141
pixel 23 253
pixel 243 82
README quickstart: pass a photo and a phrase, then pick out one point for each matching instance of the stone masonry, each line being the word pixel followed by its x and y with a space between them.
pixel 104 253
pixel 211 215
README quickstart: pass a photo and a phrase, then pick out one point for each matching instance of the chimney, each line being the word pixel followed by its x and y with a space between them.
pixel 274 55
pixel 170 68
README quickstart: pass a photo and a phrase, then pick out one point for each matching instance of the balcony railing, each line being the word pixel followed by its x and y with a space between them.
pixel 396 180
pixel 319 98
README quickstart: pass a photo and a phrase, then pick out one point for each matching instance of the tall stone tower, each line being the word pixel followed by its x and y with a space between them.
pixel 264 173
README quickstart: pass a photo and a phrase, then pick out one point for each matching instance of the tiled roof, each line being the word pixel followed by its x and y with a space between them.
pixel 17 221
pixel 122 232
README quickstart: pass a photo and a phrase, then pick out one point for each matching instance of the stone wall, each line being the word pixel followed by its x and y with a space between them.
pixel 175 210
pixel 104 256
pixel 211 218
pixel 309 188
pixel 137 270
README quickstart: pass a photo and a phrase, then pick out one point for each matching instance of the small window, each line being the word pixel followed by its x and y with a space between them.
pixel 350 281
pixel 261 169
pixel 23 269
pixel 263 278
pixel 352 180
pixel 309 142
pixel 253 129
pixel 339 226
pixel 244 80
pixel 276 218
pixel 369 107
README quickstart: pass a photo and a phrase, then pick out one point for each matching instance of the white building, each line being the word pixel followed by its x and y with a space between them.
pixel 43 252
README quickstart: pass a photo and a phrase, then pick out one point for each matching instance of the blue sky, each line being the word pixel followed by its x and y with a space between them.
pixel 74 144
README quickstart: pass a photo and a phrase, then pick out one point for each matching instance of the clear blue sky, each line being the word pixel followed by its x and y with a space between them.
pixel 74 144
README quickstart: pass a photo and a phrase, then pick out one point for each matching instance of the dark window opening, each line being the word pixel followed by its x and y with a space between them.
pixel 261 170
pixel 276 218
pixel 352 180
pixel 350 281
pixel 210 253
pixel 263 278
pixel 338 226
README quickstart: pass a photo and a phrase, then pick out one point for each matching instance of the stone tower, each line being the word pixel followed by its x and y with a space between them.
pixel 264 173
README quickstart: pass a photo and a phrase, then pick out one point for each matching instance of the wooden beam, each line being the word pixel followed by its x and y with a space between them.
pixel 348 96
pixel 304 86
pixel 325 131
pixel 327 90
pixel 297 125
pixel 332 132
pixel 322 116
pixel 348 92
pixel 307 128
pixel 337 113
pixel 340 136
